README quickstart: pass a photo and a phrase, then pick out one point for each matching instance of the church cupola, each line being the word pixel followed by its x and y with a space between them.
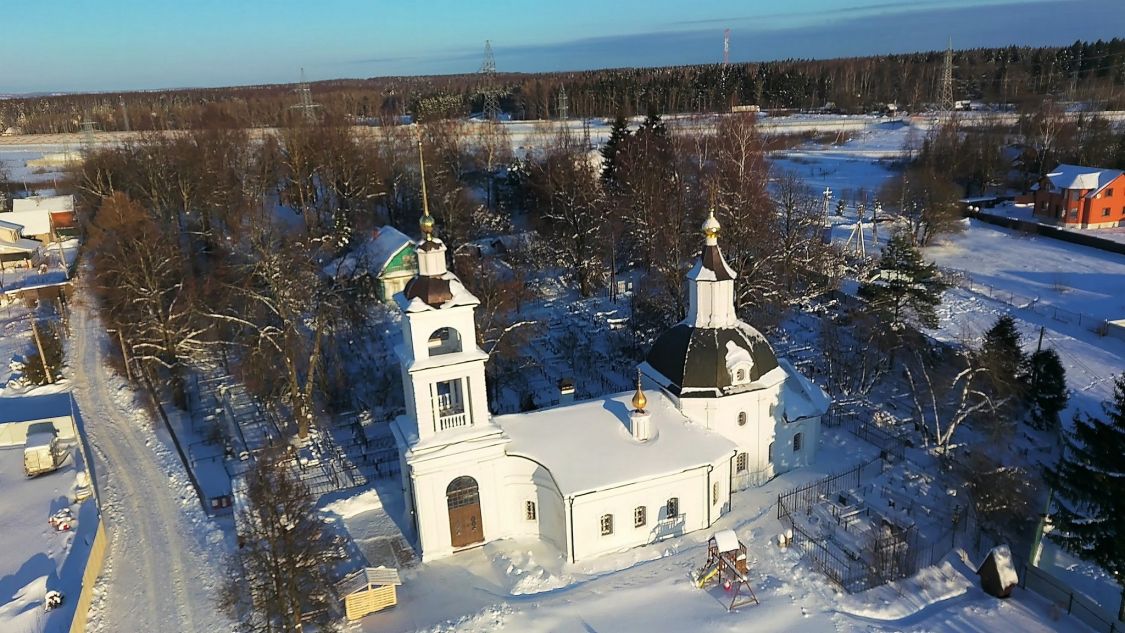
pixel 709 353
pixel 711 283
pixel 640 420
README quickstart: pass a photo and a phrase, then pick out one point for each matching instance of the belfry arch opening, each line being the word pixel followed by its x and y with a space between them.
pixel 444 340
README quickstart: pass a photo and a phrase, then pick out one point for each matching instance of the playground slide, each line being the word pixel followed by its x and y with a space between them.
pixel 702 575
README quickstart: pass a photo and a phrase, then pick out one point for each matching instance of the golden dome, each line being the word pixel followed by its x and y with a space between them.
pixel 427 224
pixel 639 399
pixel 711 225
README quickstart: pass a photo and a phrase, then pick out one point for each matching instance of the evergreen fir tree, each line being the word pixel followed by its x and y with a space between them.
pixel 906 282
pixel 1046 389
pixel 618 134
pixel 1002 355
pixel 653 123
pixel 1089 484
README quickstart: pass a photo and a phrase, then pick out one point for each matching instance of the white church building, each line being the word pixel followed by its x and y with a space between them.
pixel 714 411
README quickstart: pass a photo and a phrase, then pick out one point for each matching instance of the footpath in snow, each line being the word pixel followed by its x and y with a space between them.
pixel 164 568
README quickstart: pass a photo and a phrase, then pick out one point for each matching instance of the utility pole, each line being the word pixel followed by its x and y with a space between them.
pixel 875 223
pixel 124 352
pixel 124 113
pixel 42 354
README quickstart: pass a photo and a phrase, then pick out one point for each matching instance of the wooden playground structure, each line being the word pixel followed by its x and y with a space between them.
pixel 726 566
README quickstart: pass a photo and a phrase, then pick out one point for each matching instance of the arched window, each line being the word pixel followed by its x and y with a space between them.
pixel 462 492
pixel 741 418
pixel 797 443
pixel 740 375
pixel 445 340
pixel 742 463
pixel 672 508
pixel 769 452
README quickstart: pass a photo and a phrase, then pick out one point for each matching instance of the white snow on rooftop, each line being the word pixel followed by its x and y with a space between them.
pixel 1078 177
pixel 44 203
pixel 34 222
pixel 372 256
pixel 587 445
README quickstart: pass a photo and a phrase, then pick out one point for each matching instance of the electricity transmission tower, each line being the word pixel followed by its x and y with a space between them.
pixel 726 48
pixel 488 81
pixel 305 103
pixel 564 104
pixel 947 79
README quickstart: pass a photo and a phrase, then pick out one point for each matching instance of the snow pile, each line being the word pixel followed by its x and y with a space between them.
pixel 1004 567
pixel 906 597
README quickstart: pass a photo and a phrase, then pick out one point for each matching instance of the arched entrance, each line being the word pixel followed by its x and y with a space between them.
pixel 463 500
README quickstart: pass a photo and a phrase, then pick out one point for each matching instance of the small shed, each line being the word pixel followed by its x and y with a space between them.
pixel 369 590
pixel 997 573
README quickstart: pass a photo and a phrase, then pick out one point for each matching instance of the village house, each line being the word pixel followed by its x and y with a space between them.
pixel 16 251
pixel 1081 197
pixel 714 411
pixel 386 259
pixel 44 218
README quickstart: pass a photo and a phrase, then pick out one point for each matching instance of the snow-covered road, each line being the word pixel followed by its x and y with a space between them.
pixel 164 568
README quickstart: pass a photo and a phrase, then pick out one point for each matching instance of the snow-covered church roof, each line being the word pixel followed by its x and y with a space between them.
pixel 696 359
pixel 587 446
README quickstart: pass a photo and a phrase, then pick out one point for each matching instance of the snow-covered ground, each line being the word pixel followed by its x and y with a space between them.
pixel 35 557
pixel 527 586
pixel 164 567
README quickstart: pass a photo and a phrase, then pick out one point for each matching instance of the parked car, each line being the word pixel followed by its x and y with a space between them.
pixel 42 453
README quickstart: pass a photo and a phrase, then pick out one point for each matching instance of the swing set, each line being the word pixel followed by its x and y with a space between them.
pixel 726 566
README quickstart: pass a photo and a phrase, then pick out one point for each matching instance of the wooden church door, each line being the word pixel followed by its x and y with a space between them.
pixel 463 500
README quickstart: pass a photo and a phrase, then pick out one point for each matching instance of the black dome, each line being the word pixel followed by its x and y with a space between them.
pixel 696 358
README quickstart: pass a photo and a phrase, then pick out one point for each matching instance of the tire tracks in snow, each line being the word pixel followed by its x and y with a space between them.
pixel 148 592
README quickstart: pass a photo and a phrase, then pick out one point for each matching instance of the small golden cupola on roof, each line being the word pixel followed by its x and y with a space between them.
pixel 639 398
pixel 640 420
pixel 711 229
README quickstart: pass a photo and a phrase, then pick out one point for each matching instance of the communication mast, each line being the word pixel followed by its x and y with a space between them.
pixel 726 48
pixel 488 81
pixel 947 79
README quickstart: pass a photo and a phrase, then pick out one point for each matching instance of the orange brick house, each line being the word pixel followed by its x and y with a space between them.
pixel 1077 196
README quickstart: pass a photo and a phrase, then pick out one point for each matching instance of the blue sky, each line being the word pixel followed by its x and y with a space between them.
pixel 79 45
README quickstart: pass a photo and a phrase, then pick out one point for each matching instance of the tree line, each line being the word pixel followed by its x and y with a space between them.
pixel 1018 75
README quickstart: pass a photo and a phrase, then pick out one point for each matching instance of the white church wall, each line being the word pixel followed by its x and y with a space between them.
pixel 690 488
pixel 432 478
pixel 526 481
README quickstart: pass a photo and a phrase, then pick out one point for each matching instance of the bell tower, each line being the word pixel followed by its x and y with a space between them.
pixel 442 367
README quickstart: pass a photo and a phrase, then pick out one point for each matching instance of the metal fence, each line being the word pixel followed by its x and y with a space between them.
pixel 860 424
pixel 1084 609
pixel 962 279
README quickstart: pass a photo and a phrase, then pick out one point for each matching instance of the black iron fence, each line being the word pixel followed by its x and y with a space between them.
pixel 860 424
pixel 1066 599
